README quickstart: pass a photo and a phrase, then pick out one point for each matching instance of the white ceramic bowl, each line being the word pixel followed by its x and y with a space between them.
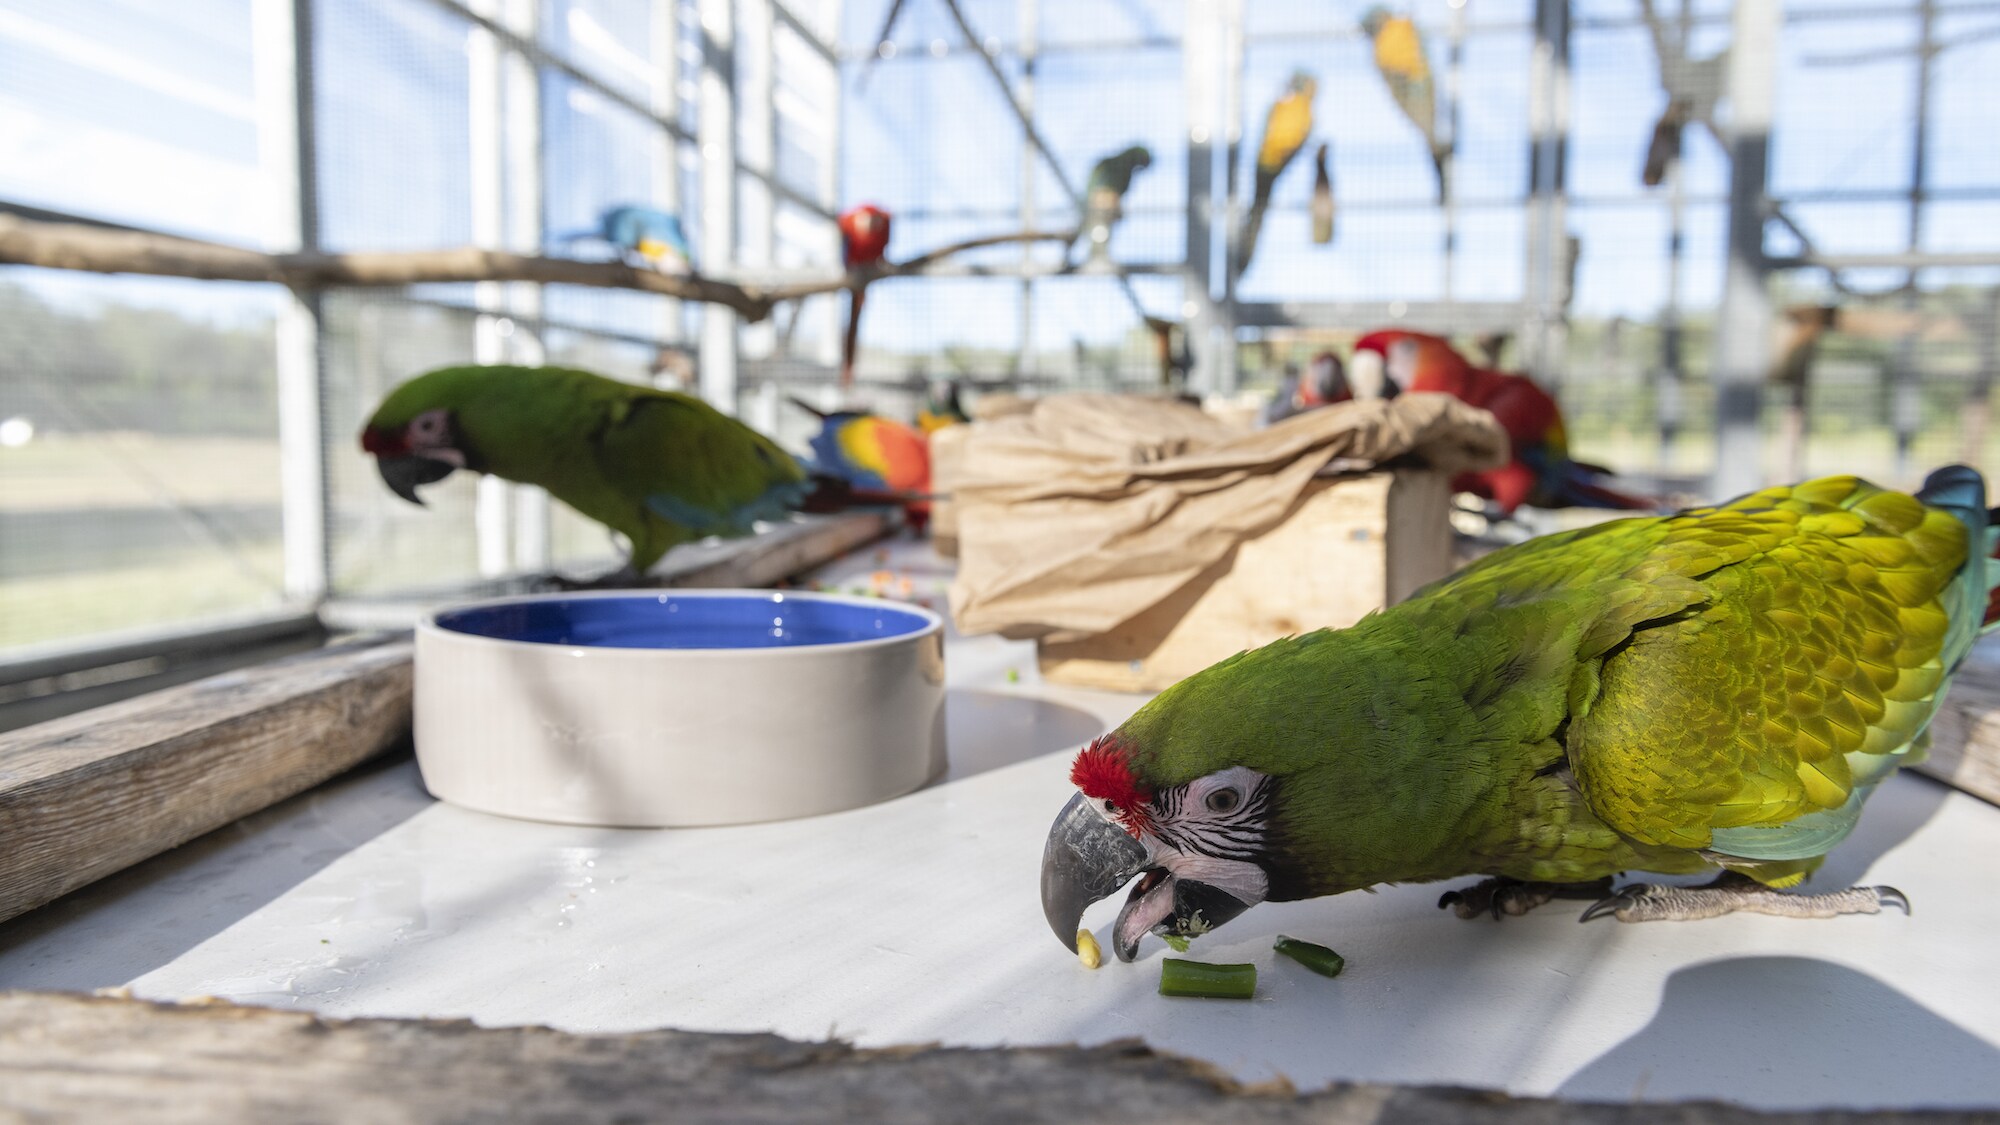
pixel 681 707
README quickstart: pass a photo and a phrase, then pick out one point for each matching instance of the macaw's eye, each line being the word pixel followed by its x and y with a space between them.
pixel 1224 800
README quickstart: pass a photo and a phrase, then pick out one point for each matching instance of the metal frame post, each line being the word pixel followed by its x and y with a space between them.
pixel 1030 16
pixel 282 32
pixel 1743 324
pixel 521 221
pixel 1542 345
pixel 758 132
pixel 663 97
pixel 1906 399
pixel 1670 397
pixel 717 135
pixel 1201 61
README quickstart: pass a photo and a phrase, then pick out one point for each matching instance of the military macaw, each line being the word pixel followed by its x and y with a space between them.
pixel 864 240
pixel 1286 128
pixel 657 467
pixel 1541 471
pixel 1400 59
pixel 875 456
pixel 1104 195
pixel 1717 689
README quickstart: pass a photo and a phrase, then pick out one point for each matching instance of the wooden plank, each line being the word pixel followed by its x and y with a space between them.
pixel 90 794
pixel 1349 547
pixel 1965 735
pixel 781 553
pixel 74 1058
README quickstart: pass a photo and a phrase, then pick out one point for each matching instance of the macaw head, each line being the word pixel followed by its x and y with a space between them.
pixel 1138 156
pixel 415 435
pixel 864 235
pixel 1245 782
pixel 1303 84
pixel 1325 382
pixel 1373 19
pixel 1387 362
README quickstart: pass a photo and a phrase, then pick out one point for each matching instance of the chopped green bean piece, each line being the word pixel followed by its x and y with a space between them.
pixel 1179 942
pixel 1318 958
pixel 1199 978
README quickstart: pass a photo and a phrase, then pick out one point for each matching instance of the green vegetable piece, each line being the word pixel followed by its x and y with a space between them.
pixel 1318 958
pixel 1013 675
pixel 1199 978
pixel 1179 942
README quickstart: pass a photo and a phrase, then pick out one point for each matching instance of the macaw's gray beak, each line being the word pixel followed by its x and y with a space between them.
pixel 403 474
pixel 1086 859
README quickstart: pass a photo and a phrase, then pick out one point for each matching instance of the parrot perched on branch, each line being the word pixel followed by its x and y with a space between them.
pixel 1400 59
pixel 1104 195
pixel 657 467
pixel 1286 128
pixel 655 236
pixel 1540 471
pixel 864 239
pixel 874 456
pixel 1721 688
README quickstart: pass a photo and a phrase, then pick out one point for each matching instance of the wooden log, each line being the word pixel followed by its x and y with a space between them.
pixel 74 1058
pixel 91 794
pixel 1965 735
pixel 778 554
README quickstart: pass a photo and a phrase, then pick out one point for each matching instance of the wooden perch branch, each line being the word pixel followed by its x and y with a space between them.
pixel 74 246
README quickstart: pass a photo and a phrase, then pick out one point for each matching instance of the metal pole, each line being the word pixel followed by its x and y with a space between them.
pixel 1671 403
pixel 834 104
pixel 282 31
pixel 521 219
pixel 664 99
pixel 1200 62
pixel 1548 241
pixel 1906 407
pixel 1231 13
pixel 756 87
pixel 493 505
pixel 1743 324
pixel 718 195
pixel 1454 67
pixel 1030 15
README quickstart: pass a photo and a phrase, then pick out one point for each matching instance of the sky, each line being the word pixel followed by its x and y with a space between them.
pixel 145 113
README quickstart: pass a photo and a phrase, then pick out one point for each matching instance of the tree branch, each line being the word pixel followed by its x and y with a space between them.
pixel 76 246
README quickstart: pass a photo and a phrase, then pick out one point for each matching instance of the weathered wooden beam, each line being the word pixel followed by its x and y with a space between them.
pixel 91 794
pixel 1965 735
pixel 74 1058
pixel 778 554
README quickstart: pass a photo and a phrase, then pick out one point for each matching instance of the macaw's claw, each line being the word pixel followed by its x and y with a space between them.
pixel 1501 895
pixel 1644 902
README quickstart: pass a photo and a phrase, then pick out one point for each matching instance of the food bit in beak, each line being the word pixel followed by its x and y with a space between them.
pixel 1087 950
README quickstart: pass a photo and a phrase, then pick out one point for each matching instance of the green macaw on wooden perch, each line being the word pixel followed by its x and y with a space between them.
pixel 1716 689
pixel 657 467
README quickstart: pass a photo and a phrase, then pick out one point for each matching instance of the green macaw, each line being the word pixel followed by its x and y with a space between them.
pixel 657 467
pixel 1720 688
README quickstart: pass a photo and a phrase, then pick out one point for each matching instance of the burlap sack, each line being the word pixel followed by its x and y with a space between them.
pixel 1081 513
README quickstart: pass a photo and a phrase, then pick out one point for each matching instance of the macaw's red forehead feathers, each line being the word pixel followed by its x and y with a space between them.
pixel 1103 771
pixel 383 442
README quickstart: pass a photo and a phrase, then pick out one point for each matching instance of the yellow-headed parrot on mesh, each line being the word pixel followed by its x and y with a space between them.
pixel 657 467
pixel 1400 59
pixel 1286 128
pixel 1717 689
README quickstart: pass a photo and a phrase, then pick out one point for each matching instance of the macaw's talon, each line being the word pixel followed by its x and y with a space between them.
pixel 1499 895
pixel 1643 902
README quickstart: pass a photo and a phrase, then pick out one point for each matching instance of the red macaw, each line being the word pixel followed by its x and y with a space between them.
pixel 864 239
pixel 1541 472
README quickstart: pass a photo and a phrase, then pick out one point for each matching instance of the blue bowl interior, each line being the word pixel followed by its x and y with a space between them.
pixel 681 622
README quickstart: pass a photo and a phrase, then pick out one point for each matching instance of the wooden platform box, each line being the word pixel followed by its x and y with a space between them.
pixel 1350 545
